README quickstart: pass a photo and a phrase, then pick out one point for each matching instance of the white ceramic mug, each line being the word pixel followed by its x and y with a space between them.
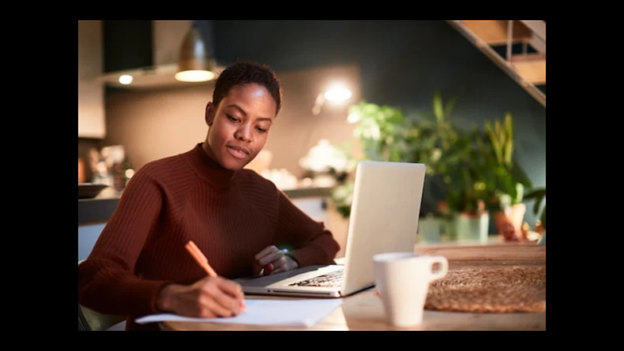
pixel 402 280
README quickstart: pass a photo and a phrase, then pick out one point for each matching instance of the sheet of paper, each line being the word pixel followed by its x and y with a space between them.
pixel 306 313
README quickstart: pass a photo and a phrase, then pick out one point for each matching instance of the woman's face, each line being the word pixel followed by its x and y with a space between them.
pixel 240 125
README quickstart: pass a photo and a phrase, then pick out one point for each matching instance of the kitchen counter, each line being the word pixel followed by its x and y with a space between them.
pixel 307 192
pixel 100 209
pixel 96 210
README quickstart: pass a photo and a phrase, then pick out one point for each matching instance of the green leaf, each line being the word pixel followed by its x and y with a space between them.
pixel 537 205
pixel 509 135
pixel 536 193
pixel 438 109
pixel 449 107
pixel 520 176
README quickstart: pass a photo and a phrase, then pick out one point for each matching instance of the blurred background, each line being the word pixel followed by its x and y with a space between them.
pixel 466 98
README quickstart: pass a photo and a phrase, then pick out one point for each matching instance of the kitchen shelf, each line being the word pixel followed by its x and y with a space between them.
pixel 152 77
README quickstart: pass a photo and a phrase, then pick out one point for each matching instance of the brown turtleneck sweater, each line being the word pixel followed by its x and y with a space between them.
pixel 230 215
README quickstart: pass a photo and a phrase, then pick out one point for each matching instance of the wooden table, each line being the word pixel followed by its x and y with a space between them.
pixel 364 311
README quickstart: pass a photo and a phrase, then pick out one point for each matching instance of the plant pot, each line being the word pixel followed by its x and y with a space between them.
pixel 448 229
pixel 429 229
pixel 472 227
pixel 512 215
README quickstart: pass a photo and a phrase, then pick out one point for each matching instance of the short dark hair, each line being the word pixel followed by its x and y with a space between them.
pixel 245 72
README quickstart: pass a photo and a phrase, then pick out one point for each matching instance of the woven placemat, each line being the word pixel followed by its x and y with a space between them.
pixel 481 289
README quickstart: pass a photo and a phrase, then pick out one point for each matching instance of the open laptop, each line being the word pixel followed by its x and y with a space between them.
pixel 384 218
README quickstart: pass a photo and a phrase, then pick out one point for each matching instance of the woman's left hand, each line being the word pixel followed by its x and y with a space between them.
pixel 273 260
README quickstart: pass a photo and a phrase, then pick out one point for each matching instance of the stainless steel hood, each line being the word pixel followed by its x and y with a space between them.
pixel 167 37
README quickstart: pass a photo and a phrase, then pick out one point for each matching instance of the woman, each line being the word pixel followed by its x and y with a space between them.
pixel 238 219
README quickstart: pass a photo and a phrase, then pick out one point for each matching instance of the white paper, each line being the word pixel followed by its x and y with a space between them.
pixel 306 313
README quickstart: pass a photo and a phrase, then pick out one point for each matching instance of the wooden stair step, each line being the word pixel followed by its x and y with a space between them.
pixel 494 32
pixel 532 70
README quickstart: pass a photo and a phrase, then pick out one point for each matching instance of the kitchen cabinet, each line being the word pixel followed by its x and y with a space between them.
pixel 91 118
pixel 127 44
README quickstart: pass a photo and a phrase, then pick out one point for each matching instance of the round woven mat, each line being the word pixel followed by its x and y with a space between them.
pixel 489 289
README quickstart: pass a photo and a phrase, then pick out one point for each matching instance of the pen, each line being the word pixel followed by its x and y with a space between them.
pixel 203 262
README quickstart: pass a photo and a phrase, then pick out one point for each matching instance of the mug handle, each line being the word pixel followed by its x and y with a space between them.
pixel 443 267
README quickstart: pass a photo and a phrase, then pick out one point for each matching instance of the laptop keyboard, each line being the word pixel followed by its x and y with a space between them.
pixel 329 280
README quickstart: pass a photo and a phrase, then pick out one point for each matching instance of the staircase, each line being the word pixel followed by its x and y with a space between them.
pixel 517 46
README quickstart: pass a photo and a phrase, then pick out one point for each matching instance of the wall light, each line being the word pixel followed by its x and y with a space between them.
pixel 337 93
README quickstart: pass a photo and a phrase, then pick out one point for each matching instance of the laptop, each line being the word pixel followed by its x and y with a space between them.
pixel 384 218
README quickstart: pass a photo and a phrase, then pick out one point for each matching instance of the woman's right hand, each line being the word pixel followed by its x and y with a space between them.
pixel 210 297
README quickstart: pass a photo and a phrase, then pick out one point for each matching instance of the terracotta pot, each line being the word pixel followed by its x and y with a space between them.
pixel 514 216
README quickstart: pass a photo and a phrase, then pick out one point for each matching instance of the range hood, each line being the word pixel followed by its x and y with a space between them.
pixel 167 37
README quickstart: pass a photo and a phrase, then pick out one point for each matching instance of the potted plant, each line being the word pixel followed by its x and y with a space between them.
pixel 468 186
pixel 430 138
pixel 508 177
pixel 456 170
